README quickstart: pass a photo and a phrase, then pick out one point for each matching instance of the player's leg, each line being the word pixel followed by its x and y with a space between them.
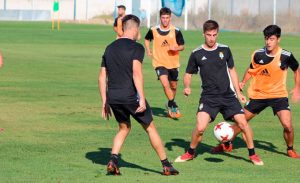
pixel 252 108
pixel 157 145
pixel 285 118
pixel 203 119
pixel 146 120
pixel 173 80
pixel 123 118
pixel 281 108
pixel 242 123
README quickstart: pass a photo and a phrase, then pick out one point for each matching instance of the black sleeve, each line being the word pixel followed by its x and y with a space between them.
pixel 103 63
pixel 230 62
pixel 115 22
pixel 149 35
pixel 139 53
pixel 192 67
pixel 293 63
pixel 179 38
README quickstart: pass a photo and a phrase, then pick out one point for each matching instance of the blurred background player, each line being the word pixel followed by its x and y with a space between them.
pixel 118 20
pixel 167 42
pixel 268 70
pixel 121 87
pixel 218 74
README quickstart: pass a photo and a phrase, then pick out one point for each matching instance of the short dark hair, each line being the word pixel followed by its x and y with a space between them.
pixel 210 25
pixel 272 30
pixel 122 6
pixel 164 11
pixel 129 17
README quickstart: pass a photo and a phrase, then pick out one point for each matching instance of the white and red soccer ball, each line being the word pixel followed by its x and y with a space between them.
pixel 223 131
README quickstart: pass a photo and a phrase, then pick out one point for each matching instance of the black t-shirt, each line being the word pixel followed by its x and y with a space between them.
pixel 287 59
pixel 179 37
pixel 213 69
pixel 118 61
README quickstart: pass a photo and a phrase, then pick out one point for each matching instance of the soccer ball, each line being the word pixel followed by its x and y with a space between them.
pixel 223 132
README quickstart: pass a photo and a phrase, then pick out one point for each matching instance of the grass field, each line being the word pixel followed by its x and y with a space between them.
pixel 50 110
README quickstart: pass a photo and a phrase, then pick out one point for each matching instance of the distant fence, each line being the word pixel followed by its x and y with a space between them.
pixel 239 15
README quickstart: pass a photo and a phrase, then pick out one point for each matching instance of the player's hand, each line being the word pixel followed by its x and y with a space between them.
pixel 172 48
pixel 295 95
pixel 149 53
pixel 142 106
pixel 242 98
pixel 106 113
pixel 241 85
pixel 187 91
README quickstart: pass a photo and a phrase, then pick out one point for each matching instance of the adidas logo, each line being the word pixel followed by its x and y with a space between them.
pixel 261 62
pixel 203 58
pixel 165 43
pixel 265 72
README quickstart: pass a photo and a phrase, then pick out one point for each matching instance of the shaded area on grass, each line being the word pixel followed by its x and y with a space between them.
pixel 103 156
pixel 201 149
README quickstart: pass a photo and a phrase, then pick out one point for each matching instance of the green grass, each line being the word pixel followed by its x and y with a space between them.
pixel 50 110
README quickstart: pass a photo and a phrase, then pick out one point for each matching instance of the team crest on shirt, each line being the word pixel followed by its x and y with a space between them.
pixel 221 55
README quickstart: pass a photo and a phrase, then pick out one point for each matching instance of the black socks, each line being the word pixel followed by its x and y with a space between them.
pixel 166 162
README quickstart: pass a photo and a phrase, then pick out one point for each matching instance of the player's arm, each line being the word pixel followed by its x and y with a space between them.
pixel 139 84
pixel 147 46
pixel 294 65
pixel 1 60
pixel 187 79
pixel 102 82
pixel 148 38
pixel 235 82
pixel 179 41
pixel 115 25
pixel 246 77
pixel 191 69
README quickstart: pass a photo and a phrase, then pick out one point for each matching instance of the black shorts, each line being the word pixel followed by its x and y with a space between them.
pixel 227 106
pixel 171 73
pixel 255 106
pixel 122 113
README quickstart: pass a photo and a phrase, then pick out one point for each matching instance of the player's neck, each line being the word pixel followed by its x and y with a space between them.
pixel 207 47
pixel 128 35
pixel 164 27
pixel 273 52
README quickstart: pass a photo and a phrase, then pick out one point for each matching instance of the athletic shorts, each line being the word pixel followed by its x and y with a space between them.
pixel 122 113
pixel 227 106
pixel 171 73
pixel 255 106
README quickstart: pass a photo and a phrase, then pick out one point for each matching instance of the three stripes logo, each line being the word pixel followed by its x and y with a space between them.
pixel 265 72
pixel 165 43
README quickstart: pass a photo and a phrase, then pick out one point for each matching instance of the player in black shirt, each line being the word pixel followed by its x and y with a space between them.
pixel 220 90
pixel 121 88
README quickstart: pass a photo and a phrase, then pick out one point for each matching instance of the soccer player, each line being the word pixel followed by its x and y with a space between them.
pixel 121 88
pixel 167 42
pixel 268 70
pixel 220 89
pixel 118 21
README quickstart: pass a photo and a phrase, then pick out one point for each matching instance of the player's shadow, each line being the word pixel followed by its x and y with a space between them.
pixel 259 144
pixel 160 112
pixel 103 156
pixel 201 149
pixel 157 111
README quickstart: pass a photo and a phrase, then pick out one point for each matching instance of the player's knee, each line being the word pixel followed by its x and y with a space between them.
pixel 288 128
pixel 199 131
